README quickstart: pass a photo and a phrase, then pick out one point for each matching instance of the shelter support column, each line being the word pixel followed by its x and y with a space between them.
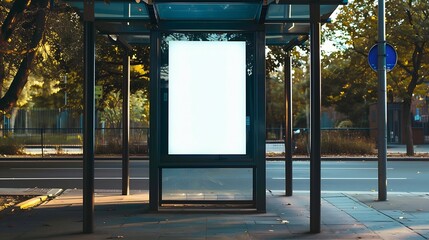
pixel 155 122
pixel 126 123
pixel 260 123
pixel 315 133
pixel 288 123
pixel 89 117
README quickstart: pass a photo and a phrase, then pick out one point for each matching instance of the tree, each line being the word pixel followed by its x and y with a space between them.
pixel 407 24
pixel 348 85
pixel 275 85
pixel 21 33
pixel 46 57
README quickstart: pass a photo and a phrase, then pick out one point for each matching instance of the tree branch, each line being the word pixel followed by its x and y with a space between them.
pixel 403 66
pixel 10 22
pixel 21 77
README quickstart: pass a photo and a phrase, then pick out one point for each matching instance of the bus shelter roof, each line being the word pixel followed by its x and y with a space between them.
pixel 286 21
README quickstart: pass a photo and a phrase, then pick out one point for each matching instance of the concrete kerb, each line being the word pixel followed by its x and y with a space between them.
pixel 32 202
pixel 36 201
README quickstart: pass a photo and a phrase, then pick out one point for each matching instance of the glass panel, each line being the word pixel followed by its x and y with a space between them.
pixel 116 10
pixel 137 39
pixel 286 11
pixel 196 184
pixel 207 11
pixel 138 11
pixel 327 9
pixel 207 97
pixel 279 39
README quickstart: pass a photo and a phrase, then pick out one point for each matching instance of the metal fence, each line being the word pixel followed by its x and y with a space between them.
pixel 277 134
pixel 54 141
pixel 69 140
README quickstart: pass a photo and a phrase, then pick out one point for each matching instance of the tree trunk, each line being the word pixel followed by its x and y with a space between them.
pixel 21 77
pixel 13 115
pixel 6 30
pixel 2 75
pixel 406 116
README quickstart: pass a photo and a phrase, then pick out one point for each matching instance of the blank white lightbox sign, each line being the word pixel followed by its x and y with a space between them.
pixel 207 97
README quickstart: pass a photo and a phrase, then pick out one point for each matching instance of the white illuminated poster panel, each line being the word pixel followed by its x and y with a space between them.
pixel 207 97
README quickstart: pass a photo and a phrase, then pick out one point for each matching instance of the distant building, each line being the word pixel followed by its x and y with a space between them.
pixel 395 122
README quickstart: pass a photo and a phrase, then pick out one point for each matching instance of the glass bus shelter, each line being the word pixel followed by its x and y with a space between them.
pixel 207 94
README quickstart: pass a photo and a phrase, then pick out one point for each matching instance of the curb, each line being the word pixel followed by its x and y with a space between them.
pixel 35 201
pixel 32 202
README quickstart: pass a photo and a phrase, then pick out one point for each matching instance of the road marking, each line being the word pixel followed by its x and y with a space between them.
pixel 77 160
pixel 70 178
pixel 63 168
pixel 296 169
pixel 275 191
pixel 338 168
pixel 282 178
pixel 332 168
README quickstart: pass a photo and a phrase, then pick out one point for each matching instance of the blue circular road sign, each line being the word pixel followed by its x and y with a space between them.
pixel 391 57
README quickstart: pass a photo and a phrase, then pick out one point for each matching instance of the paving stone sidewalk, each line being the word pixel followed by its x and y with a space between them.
pixel 128 217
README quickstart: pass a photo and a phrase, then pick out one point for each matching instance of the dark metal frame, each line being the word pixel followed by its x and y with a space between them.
pixel 125 123
pixel 315 100
pixel 289 147
pixel 89 118
pixel 255 157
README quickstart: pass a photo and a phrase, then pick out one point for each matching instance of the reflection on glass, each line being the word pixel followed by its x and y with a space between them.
pixel 207 184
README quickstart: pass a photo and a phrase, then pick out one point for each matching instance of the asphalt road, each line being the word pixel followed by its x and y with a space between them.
pixel 343 176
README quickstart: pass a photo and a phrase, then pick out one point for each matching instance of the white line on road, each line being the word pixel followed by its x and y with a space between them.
pixel 70 178
pixel 282 168
pixel 63 168
pixel 338 168
pixel 282 178
pixel 279 168
pixel 349 192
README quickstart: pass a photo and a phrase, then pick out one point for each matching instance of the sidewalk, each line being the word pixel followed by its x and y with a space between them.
pixel 404 216
pixel 391 148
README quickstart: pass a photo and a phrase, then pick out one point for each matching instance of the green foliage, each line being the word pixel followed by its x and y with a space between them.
pixel 275 86
pixel 355 31
pixel 338 142
pixel 349 85
pixel 57 71
pixel 275 98
pixel 111 113
pixel 345 124
pixel 9 146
